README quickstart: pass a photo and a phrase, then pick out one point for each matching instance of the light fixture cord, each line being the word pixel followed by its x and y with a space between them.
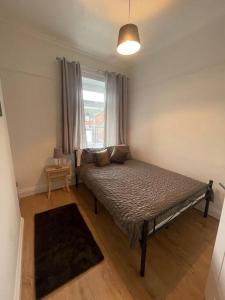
pixel 129 12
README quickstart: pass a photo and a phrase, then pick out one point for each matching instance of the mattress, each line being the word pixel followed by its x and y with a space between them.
pixel 136 191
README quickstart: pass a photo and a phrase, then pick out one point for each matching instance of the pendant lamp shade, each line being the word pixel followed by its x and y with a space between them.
pixel 128 40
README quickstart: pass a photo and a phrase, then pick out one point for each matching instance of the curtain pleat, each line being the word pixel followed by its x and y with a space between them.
pixel 116 109
pixel 73 119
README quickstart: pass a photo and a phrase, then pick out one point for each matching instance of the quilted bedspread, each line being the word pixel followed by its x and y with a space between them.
pixel 136 191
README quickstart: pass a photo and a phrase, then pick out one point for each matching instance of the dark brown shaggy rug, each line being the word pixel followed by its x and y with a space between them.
pixel 64 248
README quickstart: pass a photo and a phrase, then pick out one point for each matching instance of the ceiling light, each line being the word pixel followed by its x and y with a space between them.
pixel 128 40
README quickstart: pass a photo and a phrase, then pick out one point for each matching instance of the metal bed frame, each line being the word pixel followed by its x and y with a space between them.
pixel 208 196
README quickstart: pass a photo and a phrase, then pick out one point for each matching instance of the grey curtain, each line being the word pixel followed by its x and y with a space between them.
pixel 116 109
pixel 73 119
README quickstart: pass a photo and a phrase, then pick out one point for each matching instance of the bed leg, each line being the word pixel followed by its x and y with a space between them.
pixel 144 239
pixel 208 198
pixel 206 208
pixel 75 167
pixel 95 205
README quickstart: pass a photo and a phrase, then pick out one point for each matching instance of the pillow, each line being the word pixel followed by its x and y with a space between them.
pixel 88 155
pixel 118 155
pixel 102 158
pixel 122 147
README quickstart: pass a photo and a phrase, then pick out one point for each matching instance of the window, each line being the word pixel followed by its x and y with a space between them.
pixel 94 109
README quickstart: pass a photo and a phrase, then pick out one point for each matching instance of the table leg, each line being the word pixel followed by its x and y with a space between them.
pixel 67 185
pixel 49 189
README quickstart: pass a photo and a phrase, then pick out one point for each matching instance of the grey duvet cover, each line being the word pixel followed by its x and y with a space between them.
pixel 136 191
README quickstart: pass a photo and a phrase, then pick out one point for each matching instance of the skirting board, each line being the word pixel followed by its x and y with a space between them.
pixel 38 189
pixel 214 211
pixel 17 292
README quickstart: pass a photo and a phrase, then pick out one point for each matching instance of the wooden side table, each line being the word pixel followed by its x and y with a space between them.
pixel 58 173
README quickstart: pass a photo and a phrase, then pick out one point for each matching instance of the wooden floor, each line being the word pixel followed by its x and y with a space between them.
pixel 178 258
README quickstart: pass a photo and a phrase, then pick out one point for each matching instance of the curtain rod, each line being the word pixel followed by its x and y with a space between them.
pixel 86 68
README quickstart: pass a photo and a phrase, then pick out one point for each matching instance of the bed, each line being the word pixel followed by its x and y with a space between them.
pixel 142 198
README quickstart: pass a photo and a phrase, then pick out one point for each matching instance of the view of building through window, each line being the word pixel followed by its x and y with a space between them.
pixel 94 108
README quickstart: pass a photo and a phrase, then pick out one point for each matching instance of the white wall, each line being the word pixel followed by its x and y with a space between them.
pixel 9 215
pixel 215 287
pixel 31 85
pixel 177 107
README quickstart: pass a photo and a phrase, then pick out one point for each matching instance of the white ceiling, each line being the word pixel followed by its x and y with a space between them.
pixel 92 25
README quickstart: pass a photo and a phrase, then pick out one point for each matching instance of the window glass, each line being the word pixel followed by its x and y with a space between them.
pixel 94 108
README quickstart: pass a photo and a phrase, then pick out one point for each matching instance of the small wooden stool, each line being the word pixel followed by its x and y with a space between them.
pixel 58 173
